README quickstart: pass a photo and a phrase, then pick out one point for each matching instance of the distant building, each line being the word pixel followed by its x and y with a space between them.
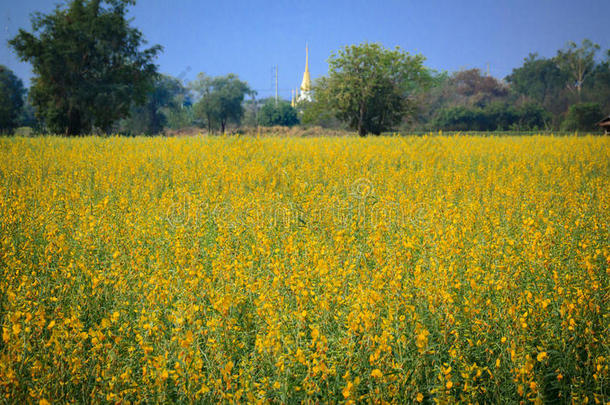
pixel 605 124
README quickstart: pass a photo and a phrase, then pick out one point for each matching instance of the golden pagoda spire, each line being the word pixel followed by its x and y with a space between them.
pixel 306 83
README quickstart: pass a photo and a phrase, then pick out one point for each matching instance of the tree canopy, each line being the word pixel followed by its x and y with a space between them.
pixel 582 117
pixel 87 63
pixel 11 99
pixel 167 94
pixel 277 113
pixel 370 87
pixel 577 63
pixel 539 79
pixel 220 100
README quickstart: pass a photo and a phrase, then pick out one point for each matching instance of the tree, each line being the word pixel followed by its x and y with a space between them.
pixel 471 88
pixel 11 99
pixel 459 118
pixel 151 117
pixel 430 102
pixel 280 113
pixel 317 111
pixel 88 66
pixel 532 116
pixel 371 88
pixel 539 79
pixel 181 116
pixel 451 95
pixel 28 115
pixel 582 117
pixel 251 110
pixel 221 100
pixel 577 63
pixel 497 116
pixel 597 87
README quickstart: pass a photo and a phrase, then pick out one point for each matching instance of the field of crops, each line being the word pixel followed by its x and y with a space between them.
pixel 416 269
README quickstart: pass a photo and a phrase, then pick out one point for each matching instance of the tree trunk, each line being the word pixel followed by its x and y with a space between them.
pixel 74 124
pixel 361 130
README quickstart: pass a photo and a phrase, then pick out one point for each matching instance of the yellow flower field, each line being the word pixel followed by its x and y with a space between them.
pixel 388 269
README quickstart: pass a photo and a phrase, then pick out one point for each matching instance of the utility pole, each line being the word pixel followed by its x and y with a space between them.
pixel 276 96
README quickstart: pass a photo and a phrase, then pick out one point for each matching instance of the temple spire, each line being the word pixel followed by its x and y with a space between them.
pixel 306 83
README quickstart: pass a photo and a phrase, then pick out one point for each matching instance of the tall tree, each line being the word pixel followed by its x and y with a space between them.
pixel 317 111
pixel 151 117
pixel 472 88
pixel 11 99
pixel 451 94
pixel 220 100
pixel 539 79
pixel 371 87
pixel 87 63
pixel 205 109
pixel 577 62
pixel 597 88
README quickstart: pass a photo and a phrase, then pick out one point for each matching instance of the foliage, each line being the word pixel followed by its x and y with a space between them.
pixel 577 62
pixel 181 117
pixel 496 116
pixel 11 99
pixel 597 88
pixel 458 98
pixel 251 108
pixel 87 64
pixel 531 116
pixel 472 88
pixel 317 111
pixel 167 94
pixel 370 88
pixel 28 116
pixel 539 79
pixel 220 100
pixel 583 117
pixel 305 270
pixel 280 113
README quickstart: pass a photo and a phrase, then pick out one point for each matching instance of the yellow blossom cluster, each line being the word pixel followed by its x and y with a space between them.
pixel 434 269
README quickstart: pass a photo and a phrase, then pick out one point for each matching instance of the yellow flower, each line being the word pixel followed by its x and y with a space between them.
pixel 315 333
pixel 247 262
pixel 347 389
pixel 541 356
pixel 421 340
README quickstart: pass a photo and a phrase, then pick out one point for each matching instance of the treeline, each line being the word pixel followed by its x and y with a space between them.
pixel 568 92
pixel 91 75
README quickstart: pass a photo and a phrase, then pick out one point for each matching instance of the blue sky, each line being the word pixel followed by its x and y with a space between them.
pixel 250 37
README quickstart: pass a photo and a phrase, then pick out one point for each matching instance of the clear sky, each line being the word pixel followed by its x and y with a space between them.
pixel 250 37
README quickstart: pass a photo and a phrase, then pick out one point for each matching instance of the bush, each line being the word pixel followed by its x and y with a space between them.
pixel 277 113
pixel 11 100
pixel 493 117
pixel 583 117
